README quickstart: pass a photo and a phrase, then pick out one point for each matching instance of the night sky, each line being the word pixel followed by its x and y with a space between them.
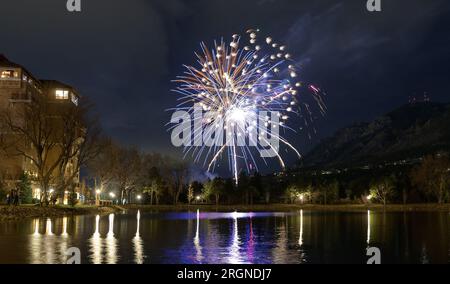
pixel 124 54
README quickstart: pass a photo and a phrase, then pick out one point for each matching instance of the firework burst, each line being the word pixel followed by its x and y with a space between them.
pixel 234 83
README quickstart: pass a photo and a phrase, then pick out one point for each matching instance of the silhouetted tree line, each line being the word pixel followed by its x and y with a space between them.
pixel 159 179
pixel 428 182
pixel 125 173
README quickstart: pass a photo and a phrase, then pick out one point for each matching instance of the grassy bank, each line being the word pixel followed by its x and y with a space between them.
pixel 291 207
pixel 11 213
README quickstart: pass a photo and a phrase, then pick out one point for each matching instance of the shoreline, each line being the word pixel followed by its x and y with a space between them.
pixel 295 207
pixel 11 213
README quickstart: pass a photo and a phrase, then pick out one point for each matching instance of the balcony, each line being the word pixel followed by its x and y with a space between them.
pixel 10 83
pixel 20 97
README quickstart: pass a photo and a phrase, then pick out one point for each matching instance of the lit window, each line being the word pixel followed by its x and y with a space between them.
pixel 9 74
pixel 62 95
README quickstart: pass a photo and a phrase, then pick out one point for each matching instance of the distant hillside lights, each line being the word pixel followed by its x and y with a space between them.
pixel 73 5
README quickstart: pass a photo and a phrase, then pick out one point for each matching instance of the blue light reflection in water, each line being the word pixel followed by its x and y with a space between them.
pixel 233 237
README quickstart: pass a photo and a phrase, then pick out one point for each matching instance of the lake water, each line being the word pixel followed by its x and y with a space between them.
pixel 231 238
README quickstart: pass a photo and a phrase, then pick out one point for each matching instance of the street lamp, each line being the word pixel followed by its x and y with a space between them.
pixel 112 195
pixel 302 198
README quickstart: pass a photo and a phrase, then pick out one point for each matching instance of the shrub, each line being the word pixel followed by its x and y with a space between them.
pixel 26 193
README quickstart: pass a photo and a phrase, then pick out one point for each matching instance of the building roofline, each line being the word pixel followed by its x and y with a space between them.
pixel 5 62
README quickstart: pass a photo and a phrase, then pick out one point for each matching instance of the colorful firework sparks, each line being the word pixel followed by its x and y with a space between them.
pixel 232 83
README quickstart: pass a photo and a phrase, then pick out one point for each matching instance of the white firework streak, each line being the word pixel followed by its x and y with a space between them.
pixel 232 84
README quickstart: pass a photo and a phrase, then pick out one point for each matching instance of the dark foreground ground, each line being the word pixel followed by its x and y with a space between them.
pixel 10 213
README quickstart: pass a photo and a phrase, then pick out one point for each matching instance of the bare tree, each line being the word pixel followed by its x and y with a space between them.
pixel 190 194
pixel 126 171
pixel 55 139
pixel 176 177
pixel 154 191
pixel 433 177
pixel 81 143
pixel 151 180
pixel 383 190
pixel 101 168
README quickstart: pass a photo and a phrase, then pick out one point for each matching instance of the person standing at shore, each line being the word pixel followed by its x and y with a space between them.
pixel 16 198
pixel 12 196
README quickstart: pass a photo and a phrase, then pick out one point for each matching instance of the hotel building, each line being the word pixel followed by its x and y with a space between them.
pixel 19 86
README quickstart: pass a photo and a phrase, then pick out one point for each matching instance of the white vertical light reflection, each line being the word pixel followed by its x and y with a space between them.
pixel 198 247
pixel 49 243
pixel 300 238
pixel 96 248
pixel 280 251
pixel 301 242
pixel 48 227
pixel 368 227
pixel 35 244
pixel 137 242
pixel 234 257
pixel 36 228
pixel 63 245
pixel 64 232
pixel 111 243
